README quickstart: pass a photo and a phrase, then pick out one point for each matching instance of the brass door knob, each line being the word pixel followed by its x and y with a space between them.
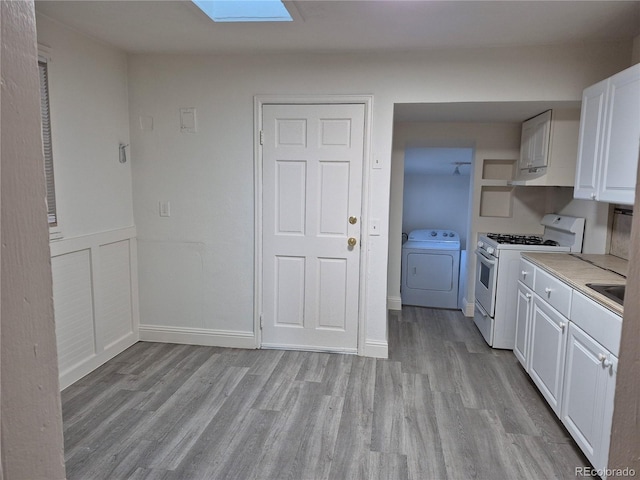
pixel 352 241
pixel 353 220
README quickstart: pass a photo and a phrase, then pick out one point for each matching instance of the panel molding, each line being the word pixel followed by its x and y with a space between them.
pixel 111 338
pixel 197 336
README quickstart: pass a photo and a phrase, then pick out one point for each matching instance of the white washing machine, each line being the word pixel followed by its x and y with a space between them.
pixel 430 269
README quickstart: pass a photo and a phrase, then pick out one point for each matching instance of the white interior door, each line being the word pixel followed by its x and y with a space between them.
pixel 312 197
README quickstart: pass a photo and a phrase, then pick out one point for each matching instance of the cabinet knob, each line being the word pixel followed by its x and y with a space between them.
pixel 524 273
pixel 593 196
pixel 528 296
pixel 604 359
pixel 547 290
pixel 562 326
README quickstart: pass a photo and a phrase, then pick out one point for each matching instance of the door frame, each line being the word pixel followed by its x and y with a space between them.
pixel 258 102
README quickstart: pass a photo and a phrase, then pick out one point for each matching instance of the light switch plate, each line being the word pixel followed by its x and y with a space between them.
pixel 188 120
pixel 165 208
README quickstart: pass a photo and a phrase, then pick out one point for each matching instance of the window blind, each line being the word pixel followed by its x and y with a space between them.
pixel 46 143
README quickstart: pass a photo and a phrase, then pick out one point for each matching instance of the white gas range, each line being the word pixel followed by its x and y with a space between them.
pixel 496 281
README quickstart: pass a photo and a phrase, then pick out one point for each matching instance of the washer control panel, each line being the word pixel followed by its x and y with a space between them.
pixel 428 235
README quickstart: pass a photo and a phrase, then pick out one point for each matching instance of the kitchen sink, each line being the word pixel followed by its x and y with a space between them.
pixel 614 292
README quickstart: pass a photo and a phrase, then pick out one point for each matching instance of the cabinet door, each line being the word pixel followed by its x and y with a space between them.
pixel 540 140
pixel 526 145
pixel 523 314
pixel 534 142
pixel 587 400
pixel 548 342
pixel 621 143
pixel 590 137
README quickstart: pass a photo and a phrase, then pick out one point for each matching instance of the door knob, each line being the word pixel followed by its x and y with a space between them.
pixel 351 241
pixel 353 220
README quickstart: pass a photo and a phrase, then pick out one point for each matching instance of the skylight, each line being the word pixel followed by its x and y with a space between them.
pixel 244 10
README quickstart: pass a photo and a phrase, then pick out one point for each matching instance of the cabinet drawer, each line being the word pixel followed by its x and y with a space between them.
pixel 526 272
pixel 553 291
pixel 597 321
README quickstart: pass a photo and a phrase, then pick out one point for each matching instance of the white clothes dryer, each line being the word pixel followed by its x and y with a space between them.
pixel 430 269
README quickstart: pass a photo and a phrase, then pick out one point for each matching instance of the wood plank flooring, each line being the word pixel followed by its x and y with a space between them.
pixel 443 406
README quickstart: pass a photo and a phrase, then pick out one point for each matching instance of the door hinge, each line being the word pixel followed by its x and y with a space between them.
pixel 261 137
pixel 261 322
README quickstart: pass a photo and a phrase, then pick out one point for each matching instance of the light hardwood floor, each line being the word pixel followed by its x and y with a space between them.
pixel 443 406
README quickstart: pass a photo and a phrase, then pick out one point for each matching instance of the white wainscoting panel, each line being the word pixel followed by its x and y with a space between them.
pixel 95 296
pixel 74 304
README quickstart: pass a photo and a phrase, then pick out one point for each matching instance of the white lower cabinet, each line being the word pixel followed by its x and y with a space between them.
pixel 548 342
pixel 587 400
pixel 571 357
pixel 523 324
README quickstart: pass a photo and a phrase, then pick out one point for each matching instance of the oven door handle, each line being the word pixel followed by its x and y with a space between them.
pixel 484 258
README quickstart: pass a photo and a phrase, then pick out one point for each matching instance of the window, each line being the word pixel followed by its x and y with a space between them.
pixel 46 140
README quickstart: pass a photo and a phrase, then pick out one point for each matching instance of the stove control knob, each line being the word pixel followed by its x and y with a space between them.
pixel 490 250
pixel 480 244
pixel 445 234
pixel 434 233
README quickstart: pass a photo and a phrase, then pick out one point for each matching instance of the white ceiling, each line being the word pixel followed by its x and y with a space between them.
pixel 361 25
pixel 365 26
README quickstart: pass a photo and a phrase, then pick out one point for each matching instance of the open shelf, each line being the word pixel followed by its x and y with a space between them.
pixel 498 169
pixel 495 201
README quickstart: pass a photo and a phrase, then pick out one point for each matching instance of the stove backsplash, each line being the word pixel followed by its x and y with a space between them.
pixel 621 232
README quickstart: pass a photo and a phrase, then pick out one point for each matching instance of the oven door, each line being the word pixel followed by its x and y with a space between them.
pixel 486 277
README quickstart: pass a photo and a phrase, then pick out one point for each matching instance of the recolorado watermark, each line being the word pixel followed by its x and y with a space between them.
pixel 605 472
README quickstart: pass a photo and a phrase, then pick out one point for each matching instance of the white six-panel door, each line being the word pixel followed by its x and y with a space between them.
pixel 312 197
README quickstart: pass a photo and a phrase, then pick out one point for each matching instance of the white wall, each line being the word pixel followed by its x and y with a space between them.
pixel 436 201
pixel 597 228
pixel 89 118
pixel 208 176
pixel 94 265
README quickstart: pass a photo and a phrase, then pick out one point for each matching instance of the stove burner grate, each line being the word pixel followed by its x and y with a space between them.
pixel 510 239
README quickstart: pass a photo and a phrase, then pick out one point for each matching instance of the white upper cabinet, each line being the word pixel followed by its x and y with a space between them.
pixel 609 143
pixel 548 149
pixel 534 145
pixel 591 121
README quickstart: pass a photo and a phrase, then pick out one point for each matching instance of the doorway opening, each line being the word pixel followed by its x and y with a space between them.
pixel 436 208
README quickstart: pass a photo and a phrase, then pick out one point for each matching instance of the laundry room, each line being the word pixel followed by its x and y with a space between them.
pixel 437 185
